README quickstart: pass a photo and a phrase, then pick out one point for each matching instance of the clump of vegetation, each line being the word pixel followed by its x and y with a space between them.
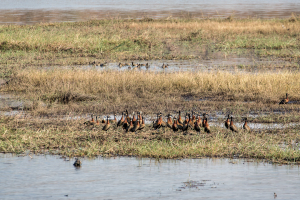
pixel 72 138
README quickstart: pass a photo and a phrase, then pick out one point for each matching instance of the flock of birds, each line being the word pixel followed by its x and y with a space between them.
pixel 139 65
pixel 192 121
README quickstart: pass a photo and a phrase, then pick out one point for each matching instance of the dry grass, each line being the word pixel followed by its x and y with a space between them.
pixel 52 84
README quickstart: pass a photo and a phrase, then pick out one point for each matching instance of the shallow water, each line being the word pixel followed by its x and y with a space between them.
pixel 35 11
pixel 48 177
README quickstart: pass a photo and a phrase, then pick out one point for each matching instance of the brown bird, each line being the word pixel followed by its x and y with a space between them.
pixel 174 126
pixel 197 126
pixel 136 126
pixel 169 121
pixel 245 126
pixel 107 125
pixel 227 122
pixel 97 121
pixel 133 64
pixel 204 118
pixel 127 116
pixel 199 121
pixel 285 101
pixel 121 121
pixel 133 118
pixel 185 125
pixel 129 127
pixel 125 124
pixel 179 118
pixel 232 126
pixel 121 65
pixel 91 122
pixel 206 126
pixel 156 124
pixel 162 123
pixel 142 125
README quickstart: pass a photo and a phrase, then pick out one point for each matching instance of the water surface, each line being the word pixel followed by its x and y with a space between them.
pixel 35 11
pixel 48 177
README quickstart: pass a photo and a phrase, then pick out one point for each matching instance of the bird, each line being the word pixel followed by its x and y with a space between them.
pixel 185 126
pixel 227 122
pixel 179 118
pixel 133 64
pixel 174 126
pixel 199 121
pixel 136 126
pixel 204 118
pixel 121 65
pixel 245 126
pixel 107 125
pixel 125 124
pixel 114 120
pixel 147 66
pixel 285 101
pixel 206 126
pixel 91 122
pixel 77 162
pixel 275 195
pixel 169 121
pixel 197 126
pixel 164 66
pixel 232 126
pixel 142 125
pixel 129 127
pixel 121 121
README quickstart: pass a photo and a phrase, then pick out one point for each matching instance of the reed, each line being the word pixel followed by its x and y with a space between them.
pixel 81 85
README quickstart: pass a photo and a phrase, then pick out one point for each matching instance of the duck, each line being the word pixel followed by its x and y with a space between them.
pixel 121 65
pixel 179 117
pixel 97 121
pixel 197 126
pixel 204 118
pixel 125 124
pixel 245 126
pixel 142 126
pixel 103 64
pixel 121 121
pixel 133 64
pixel 91 122
pixel 232 127
pixel 164 66
pixel 107 125
pixel 199 121
pixel 286 100
pixel 169 121
pixel 227 122
pixel 136 126
pixel 77 163
pixel 174 126
pixel 185 126
pixel 206 126
pixel 129 127
pixel 126 64
pixel 147 66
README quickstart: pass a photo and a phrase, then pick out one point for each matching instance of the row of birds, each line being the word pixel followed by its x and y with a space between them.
pixel 192 121
pixel 139 65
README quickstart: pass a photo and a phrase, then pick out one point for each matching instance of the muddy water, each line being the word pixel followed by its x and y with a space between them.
pixel 48 177
pixel 35 11
pixel 232 65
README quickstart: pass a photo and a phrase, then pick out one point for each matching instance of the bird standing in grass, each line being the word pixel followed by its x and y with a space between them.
pixel 227 122
pixel 91 122
pixel 206 126
pixel 232 126
pixel 286 100
pixel 107 125
pixel 245 126
pixel 174 126
pixel 142 125
pixel 121 121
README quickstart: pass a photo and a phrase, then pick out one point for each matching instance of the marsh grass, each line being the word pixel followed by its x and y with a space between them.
pixel 80 85
pixel 116 39
pixel 72 138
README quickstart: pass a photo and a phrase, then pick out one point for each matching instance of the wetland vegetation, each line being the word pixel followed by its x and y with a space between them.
pixel 33 66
